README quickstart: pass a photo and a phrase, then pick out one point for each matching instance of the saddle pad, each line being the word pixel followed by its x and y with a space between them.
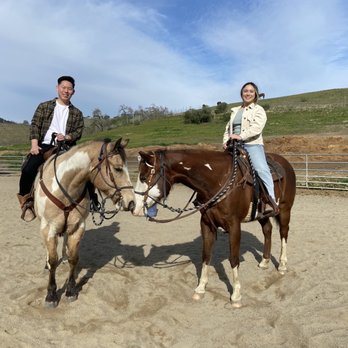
pixel 277 170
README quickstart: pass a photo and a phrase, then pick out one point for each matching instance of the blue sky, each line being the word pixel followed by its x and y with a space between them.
pixel 173 53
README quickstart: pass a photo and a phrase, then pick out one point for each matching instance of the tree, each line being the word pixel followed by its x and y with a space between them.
pixel 99 120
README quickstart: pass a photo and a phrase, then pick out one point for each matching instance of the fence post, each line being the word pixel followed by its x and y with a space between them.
pixel 307 170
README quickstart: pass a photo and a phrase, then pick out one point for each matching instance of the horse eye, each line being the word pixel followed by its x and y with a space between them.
pixel 142 178
pixel 119 169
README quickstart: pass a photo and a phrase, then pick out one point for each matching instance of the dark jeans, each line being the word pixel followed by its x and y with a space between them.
pixel 30 169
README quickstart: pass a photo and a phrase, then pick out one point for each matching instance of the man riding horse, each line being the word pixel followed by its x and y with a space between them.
pixel 55 116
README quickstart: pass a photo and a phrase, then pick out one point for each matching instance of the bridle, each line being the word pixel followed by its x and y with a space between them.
pixel 216 198
pixel 103 157
pixel 100 208
pixel 161 174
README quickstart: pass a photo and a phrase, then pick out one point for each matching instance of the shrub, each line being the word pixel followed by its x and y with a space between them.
pixel 197 116
pixel 221 107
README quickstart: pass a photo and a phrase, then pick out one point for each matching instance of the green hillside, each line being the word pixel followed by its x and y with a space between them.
pixel 308 113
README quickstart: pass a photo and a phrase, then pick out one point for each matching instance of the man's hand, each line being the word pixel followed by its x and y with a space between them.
pixel 60 137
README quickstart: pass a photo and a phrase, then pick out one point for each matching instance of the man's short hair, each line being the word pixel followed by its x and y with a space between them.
pixel 66 78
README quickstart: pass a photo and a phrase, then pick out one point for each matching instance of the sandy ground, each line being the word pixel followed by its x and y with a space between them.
pixel 138 279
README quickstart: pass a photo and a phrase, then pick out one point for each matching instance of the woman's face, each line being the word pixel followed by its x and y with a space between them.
pixel 248 95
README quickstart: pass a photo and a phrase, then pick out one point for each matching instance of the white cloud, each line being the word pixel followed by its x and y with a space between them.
pixel 136 53
pixel 105 46
pixel 287 46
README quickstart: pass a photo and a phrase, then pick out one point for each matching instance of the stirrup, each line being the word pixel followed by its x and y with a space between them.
pixel 27 207
pixel 28 212
pixel 270 209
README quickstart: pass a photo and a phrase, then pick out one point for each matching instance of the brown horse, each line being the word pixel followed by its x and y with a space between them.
pixel 62 200
pixel 224 198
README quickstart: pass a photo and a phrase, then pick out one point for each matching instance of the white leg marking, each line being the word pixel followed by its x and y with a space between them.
pixel 236 296
pixel 264 264
pixel 283 260
pixel 200 290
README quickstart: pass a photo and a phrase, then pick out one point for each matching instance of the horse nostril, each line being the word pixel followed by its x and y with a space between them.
pixel 131 206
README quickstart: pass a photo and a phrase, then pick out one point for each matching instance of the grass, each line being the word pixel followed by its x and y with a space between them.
pixel 309 113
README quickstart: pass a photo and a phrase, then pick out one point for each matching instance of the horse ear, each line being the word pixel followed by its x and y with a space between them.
pixel 117 145
pixel 125 142
pixel 147 157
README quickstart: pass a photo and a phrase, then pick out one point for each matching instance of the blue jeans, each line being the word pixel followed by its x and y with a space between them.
pixel 258 159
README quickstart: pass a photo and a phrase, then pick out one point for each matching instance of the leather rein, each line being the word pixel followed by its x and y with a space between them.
pixel 216 198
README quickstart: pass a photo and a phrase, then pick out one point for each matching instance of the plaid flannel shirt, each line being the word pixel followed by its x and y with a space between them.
pixel 43 117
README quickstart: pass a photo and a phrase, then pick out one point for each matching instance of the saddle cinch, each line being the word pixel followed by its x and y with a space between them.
pixel 261 198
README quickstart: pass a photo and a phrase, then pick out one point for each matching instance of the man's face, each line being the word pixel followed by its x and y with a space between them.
pixel 65 91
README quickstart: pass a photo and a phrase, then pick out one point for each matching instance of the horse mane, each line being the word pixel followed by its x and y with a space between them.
pixel 120 149
pixel 185 150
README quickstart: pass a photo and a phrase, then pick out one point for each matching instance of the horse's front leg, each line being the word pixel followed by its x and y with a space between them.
pixel 267 233
pixel 52 263
pixel 235 234
pixel 73 243
pixel 208 236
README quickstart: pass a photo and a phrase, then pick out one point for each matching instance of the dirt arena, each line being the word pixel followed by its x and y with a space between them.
pixel 138 277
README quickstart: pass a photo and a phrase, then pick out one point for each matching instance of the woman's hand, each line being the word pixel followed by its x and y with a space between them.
pixel 235 137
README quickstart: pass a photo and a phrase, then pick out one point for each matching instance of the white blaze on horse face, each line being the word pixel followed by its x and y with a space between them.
pixel 208 166
pixel 139 198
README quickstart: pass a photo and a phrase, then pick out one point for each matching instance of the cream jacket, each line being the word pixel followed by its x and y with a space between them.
pixel 253 121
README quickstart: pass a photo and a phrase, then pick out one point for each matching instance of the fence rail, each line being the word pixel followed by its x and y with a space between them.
pixel 313 171
pixel 320 171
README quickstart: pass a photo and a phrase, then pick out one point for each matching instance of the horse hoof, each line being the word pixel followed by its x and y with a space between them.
pixel 197 297
pixel 64 260
pixel 264 264
pixel 71 298
pixel 282 269
pixel 237 304
pixel 53 304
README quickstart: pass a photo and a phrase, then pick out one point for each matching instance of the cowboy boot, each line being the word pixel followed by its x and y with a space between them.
pixel 267 209
pixel 271 208
pixel 27 205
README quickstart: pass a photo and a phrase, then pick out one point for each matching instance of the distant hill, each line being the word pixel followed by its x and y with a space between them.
pixel 4 121
pixel 307 113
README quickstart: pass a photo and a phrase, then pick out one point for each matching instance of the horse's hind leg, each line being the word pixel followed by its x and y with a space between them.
pixel 208 237
pixel 283 219
pixel 73 243
pixel 52 263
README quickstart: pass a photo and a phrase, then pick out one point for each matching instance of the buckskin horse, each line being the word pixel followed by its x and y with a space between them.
pixel 62 200
pixel 224 197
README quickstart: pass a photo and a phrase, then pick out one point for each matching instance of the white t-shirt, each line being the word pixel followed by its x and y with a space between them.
pixel 58 124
